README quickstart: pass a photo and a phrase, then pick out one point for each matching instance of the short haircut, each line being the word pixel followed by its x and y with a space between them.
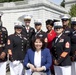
pixel 49 22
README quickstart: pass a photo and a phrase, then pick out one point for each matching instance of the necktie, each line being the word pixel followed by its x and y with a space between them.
pixel 27 29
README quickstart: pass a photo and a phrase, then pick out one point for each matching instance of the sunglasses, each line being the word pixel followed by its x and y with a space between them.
pixel 58 27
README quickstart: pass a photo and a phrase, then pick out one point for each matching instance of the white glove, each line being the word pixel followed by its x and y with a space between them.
pixel 28 72
pixel 15 63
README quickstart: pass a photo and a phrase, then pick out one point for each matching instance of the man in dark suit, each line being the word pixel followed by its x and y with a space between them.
pixel 27 30
pixel 16 45
pixel 73 45
pixel 39 32
pixel 65 20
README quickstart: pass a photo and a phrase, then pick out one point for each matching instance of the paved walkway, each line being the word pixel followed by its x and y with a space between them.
pixel 8 73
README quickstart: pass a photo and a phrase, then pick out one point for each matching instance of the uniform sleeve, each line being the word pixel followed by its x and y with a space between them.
pixel 66 50
pixel 6 37
pixel 10 43
pixel 33 31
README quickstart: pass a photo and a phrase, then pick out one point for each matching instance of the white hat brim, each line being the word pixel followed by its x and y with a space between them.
pixel 21 19
pixel 1 13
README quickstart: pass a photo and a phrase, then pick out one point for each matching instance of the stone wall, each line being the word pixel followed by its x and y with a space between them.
pixel 69 3
pixel 42 9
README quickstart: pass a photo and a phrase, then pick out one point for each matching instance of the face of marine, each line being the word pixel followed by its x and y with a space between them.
pixel 65 22
pixel 38 27
pixel 18 31
pixel 59 30
pixel 74 27
pixel 27 22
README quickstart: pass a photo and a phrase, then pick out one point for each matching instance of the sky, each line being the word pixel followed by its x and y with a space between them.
pixel 56 1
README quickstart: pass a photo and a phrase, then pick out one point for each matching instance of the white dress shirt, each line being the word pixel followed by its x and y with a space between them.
pixel 37 58
pixel 27 29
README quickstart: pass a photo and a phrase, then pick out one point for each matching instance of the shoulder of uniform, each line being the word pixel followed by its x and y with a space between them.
pixel 31 28
pixel 42 31
pixel 69 28
pixel 11 35
pixel 23 26
pixel 4 29
pixel 65 36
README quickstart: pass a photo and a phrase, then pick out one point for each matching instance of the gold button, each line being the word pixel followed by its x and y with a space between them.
pixel 22 40
pixel 22 49
pixel 22 46
pixel 22 43
pixel 1 38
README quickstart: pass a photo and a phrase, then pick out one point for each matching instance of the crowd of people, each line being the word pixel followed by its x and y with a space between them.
pixel 32 51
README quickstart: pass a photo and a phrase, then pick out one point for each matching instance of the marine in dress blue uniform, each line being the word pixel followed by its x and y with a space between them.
pixel 73 45
pixel 39 32
pixel 16 45
pixel 65 20
pixel 61 50
pixel 3 50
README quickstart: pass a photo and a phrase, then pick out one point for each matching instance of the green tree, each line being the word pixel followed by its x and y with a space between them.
pixel 62 3
pixel 73 10
pixel 1 1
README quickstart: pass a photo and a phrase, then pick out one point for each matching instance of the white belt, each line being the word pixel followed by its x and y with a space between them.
pixel 2 45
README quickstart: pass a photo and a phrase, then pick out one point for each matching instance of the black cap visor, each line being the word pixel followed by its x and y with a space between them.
pixel 73 23
pixel 37 24
pixel 58 27
pixel 18 27
pixel 65 19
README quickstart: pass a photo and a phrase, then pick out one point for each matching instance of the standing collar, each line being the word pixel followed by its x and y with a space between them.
pixel 59 35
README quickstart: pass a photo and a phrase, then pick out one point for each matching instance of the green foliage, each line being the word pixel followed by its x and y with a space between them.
pixel 1 1
pixel 62 3
pixel 73 11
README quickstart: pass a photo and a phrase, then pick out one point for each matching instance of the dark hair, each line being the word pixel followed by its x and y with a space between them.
pixel 55 20
pixel 33 41
pixel 49 22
